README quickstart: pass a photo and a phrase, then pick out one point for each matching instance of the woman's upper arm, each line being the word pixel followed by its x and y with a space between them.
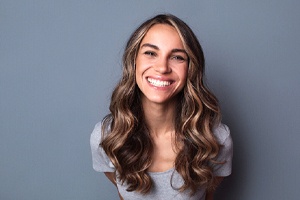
pixel 111 176
pixel 210 193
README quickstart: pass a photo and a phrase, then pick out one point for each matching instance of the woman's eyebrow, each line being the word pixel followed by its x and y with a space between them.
pixel 157 48
pixel 179 50
pixel 150 45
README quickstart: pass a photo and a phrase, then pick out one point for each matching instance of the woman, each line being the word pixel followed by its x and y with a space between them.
pixel 163 138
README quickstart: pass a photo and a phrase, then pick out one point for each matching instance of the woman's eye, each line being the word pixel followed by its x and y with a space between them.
pixel 179 58
pixel 150 53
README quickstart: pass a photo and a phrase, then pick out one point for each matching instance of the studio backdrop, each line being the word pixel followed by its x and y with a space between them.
pixel 60 60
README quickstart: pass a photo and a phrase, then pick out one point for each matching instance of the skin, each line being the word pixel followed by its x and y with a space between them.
pixel 161 57
pixel 161 73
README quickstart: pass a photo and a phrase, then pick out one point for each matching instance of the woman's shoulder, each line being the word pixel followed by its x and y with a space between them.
pixel 222 133
pixel 97 133
pixel 95 137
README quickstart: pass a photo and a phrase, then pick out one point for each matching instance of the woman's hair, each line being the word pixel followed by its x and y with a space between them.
pixel 126 136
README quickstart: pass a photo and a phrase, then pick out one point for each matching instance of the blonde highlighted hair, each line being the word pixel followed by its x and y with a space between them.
pixel 126 137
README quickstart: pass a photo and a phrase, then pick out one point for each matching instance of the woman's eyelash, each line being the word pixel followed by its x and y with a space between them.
pixel 150 53
pixel 178 58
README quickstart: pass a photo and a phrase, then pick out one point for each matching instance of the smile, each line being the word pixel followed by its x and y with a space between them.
pixel 158 83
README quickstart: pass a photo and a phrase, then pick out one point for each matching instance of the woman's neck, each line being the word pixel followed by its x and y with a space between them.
pixel 160 118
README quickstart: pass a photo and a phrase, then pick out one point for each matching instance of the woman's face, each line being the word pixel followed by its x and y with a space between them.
pixel 161 64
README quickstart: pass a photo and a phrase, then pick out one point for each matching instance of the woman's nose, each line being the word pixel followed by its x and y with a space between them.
pixel 162 66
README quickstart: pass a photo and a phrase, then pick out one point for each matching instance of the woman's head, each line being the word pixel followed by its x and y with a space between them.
pixel 190 44
pixel 161 65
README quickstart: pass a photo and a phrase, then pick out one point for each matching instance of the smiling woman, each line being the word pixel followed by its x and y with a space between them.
pixel 161 65
pixel 163 138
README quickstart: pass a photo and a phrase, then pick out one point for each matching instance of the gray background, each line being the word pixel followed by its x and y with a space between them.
pixel 59 61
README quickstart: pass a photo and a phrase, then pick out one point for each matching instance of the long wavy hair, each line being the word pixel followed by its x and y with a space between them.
pixel 126 136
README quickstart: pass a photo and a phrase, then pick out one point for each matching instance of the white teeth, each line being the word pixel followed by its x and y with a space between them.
pixel 158 83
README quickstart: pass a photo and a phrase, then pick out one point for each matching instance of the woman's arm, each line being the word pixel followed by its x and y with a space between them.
pixel 210 193
pixel 112 177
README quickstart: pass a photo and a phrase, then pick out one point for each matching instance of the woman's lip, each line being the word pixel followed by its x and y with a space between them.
pixel 159 78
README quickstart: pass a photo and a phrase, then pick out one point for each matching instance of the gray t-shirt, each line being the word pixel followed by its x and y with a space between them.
pixel 163 188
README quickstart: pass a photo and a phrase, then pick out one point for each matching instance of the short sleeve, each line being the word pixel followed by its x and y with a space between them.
pixel 101 162
pixel 222 134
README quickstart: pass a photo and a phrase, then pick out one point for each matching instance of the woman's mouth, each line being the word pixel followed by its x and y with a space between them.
pixel 158 83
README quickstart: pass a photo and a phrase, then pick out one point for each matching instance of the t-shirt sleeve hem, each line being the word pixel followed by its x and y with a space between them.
pixel 223 173
pixel 103 168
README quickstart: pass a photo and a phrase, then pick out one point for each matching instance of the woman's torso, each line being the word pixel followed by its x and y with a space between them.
pixel 165 185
